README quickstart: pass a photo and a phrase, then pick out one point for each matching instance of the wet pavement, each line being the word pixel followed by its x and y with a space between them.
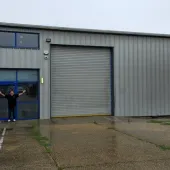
pixel 97 143
pixel 21 152
pixel 89 144
pixel 154 133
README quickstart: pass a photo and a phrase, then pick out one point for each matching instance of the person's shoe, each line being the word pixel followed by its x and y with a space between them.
pixel 14 120
pixel 9 120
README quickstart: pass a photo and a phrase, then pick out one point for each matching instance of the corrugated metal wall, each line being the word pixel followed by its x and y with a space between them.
pixel 141 69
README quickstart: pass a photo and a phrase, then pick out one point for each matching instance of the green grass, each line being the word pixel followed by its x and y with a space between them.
pixel 156 121
pixel 164 148
pixel 162 122
pixel 42 140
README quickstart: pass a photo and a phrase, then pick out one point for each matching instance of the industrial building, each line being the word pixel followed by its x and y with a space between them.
pixel 83 72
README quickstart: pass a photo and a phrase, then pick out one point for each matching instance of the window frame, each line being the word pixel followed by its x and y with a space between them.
pixel 15 39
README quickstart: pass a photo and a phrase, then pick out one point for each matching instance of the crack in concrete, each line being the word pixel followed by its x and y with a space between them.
pixel 138 138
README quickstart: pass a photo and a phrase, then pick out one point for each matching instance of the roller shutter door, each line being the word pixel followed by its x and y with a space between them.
pixel 80 81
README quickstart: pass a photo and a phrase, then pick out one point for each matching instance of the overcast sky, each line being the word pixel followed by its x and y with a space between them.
pixel 122 15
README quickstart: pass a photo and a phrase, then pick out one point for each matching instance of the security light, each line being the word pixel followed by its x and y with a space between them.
pixel 48 39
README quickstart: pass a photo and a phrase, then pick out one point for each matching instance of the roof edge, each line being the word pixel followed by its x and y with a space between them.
pixel 43 27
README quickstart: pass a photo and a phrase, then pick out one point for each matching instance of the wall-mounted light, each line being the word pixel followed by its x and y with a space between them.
pixel 42 80
pixel 48 40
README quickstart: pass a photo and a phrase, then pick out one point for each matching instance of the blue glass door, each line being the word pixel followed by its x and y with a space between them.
pixel 28 104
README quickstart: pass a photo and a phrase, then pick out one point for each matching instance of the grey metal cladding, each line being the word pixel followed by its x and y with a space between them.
pixel 141 68
pixel 79 30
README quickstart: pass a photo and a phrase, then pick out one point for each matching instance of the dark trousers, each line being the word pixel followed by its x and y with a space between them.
pixel 11 112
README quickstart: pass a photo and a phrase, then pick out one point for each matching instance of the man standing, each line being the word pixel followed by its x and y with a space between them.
pixel 11 97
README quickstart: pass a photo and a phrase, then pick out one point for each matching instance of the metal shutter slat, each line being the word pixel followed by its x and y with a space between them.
pixel 80 81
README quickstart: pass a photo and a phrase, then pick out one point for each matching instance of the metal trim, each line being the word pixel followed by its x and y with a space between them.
pixel 112 81
pixel 81 30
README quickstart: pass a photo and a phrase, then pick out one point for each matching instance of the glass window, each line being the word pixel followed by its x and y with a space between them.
pixel 31 92
pixel 26 40
pixel 7 75
pixel 7 39
pixel 27 75
pixel 28 111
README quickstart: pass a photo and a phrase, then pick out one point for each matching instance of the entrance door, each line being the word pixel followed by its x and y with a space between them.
pixel 28 104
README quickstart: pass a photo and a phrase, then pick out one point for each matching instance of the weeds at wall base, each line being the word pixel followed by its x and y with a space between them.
pixel 42 140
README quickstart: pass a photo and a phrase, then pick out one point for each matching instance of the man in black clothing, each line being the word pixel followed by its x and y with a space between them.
pixel 11 97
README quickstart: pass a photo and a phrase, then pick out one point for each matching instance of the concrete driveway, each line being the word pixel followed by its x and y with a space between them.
pixel 97 143
pixel 87 144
